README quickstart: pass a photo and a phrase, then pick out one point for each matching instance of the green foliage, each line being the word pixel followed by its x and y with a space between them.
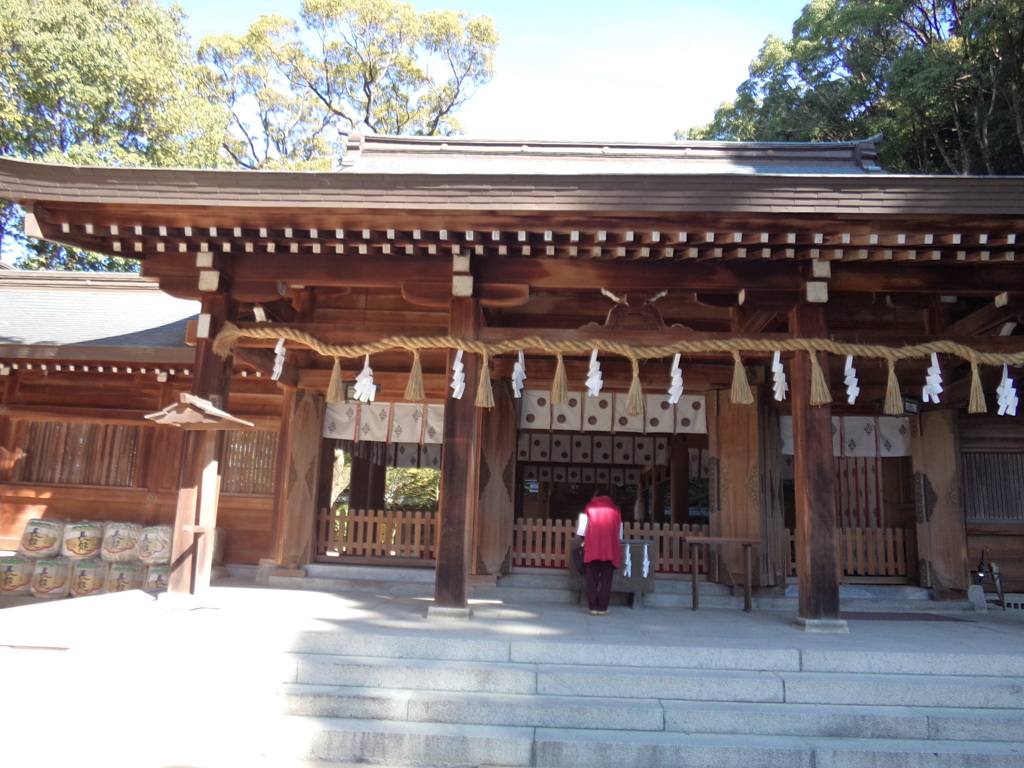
pixel 412 488
pixel 99 82
pixel 369 65
pixel 942 80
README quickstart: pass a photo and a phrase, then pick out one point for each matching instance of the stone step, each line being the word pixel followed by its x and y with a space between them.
pixel 417 674
pixel 716 685
pixel 843 721
pixel 525 710
pixel 607 713
pixel 386 742
pixel 708 658
pixel 610 749
pixel 449 745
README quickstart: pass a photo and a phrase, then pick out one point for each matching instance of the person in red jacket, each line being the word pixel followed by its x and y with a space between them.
pixel 602 552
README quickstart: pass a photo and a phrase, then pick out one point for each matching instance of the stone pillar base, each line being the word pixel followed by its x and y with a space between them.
pixel 822 626
pixel 444 613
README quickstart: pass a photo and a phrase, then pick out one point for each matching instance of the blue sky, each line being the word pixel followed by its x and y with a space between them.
pixel 587 70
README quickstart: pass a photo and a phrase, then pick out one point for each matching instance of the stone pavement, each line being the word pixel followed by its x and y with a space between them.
pixel 134 680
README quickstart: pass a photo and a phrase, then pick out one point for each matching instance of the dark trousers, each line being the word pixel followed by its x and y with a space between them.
pixel 599 584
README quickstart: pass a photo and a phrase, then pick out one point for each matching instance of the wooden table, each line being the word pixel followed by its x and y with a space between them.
pixel 696 541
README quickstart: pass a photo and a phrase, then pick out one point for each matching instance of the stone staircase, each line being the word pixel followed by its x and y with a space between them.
pixel 429 701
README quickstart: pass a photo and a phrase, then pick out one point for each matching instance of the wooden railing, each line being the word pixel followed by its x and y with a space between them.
pixel 868 552
pixel 375 533
pixel 545 543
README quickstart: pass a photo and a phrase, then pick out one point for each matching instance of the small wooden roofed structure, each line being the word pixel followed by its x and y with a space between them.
pixel 494 242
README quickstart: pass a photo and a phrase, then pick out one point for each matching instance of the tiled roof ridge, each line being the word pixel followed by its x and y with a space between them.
pixel 860 153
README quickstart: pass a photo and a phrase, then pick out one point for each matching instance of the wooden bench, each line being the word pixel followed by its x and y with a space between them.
pixel 636 584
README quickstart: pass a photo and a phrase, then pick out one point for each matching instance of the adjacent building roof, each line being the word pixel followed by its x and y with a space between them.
pixel 92 309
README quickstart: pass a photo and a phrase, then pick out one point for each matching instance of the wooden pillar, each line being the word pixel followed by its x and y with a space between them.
pixel 195 517
pixel 359 483
pixel 679 479
pixel 813 483
pixel 459 476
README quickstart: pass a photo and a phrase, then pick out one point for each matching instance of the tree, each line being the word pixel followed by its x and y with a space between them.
pixel 98 82
pixel 368 65
pixel 943 80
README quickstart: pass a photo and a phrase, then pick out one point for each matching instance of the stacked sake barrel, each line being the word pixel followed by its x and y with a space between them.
pixel 57 559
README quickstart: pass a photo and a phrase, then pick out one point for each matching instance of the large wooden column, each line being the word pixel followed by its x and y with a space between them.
pixel 459 477
pixel 813 483
pixel 941 542
pixel 195 517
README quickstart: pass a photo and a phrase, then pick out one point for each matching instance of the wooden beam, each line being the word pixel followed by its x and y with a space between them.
pixel 262 360
pixel 985 320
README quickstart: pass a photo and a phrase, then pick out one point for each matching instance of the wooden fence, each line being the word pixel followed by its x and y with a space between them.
pixel 869 552
pixel 376 533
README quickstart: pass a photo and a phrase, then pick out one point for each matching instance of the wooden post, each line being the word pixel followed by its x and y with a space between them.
pixel 813 482
pixel 459 477
pixel 195 517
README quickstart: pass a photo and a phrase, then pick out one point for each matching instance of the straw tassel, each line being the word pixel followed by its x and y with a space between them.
pixel 484 393
pixel 820 394
pixel 635 398
pixel 740 386
pixel 335 390
pixel 414 388
pixel 893 398
pixel 976 403
pixel 560 386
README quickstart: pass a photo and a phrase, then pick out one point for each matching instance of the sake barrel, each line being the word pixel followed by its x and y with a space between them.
pixel 124 576
pixel 16 575
pixel 155 544
pixel 51 578
pixel 157 578
pixel 42 538
pixel 121 542
pixel 82 541
pixel 88 577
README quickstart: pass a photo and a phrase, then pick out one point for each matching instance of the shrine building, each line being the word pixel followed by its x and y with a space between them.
pixel 777 343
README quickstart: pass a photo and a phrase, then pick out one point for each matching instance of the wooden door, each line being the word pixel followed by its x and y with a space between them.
pixel 495 513
pixel 941 533
pixel 297 478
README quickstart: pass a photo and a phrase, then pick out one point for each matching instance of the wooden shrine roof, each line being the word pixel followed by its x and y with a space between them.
pixel 419 197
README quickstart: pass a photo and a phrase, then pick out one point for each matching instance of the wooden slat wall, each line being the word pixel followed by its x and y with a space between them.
pixel 993 485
